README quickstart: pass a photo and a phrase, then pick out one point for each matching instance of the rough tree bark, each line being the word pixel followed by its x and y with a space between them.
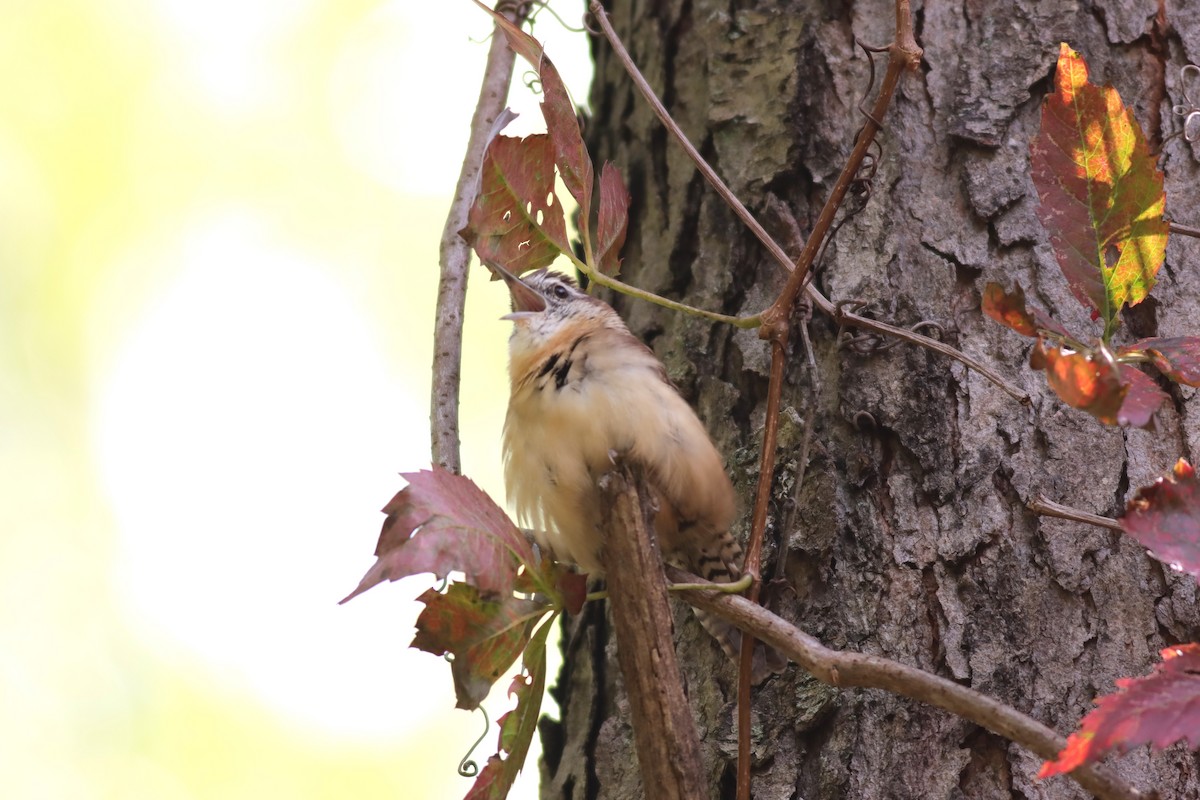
pixel 909 537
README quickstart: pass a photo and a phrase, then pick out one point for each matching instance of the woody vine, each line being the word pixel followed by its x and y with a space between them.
pixel 1102 201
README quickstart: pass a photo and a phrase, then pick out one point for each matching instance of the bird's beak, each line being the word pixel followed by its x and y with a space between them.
pixel 526 302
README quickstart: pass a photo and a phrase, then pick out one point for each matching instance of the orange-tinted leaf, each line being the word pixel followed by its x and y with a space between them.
pixel 1164 517
pixel 516 220
pixel 570 153
pixel 1090 382
pixel 517 726
pixel 614 220
pixel 442 523
pixel 484 636
pixel 1178 358
pixel 1101 193
pixel 1011 310
pixel 1142 399
pixel 1159 709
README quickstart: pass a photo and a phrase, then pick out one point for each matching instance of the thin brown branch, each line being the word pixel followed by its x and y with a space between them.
pixel 753 563
pixel 904 55
pixel 1043 505
pixel 1184 230
pixel 843 670
pixel 668 745
pixel 664 117
pixel 850 318
pixel 455 254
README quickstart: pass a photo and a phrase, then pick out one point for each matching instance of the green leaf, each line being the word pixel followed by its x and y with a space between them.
pixel 517 726
pixel 1101 193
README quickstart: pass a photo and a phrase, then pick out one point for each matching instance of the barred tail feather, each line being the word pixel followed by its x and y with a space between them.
pixel 719 559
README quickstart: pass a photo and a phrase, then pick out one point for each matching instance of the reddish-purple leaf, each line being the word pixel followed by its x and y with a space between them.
pixel 1101 193
pixel 516 220
pixel 570 153
pixel 442 523
pixel 1164 517
pixel 573 588
pixel 1160 709
pixel 614 220
pixel 1090 382
pixel 485 637
pixel 1178 358
pixel 1141 400
pixel 517 726
pixel 1011 310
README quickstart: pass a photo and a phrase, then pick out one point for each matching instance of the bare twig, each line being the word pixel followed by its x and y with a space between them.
pixel 707 171
pixel 904 55
pixel 455 254
pixel 1184 230
pixel 668 746
pixel 842 669
pixel 850 318
pixel 1043 505
pixel 753 562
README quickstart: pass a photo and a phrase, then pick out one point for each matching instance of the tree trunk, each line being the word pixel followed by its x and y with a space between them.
pixel 909 537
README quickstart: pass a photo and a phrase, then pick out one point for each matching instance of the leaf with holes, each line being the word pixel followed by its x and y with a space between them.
pixel 484 636
pixel 613 220
pixel 570 153
pixel 443 523
pixel 516 220
pixel 517 726
pixel 1101 193
pixel 1090 382
pixel 1160 709
pixel 1011 310
pixel 1178 358
pixel 1164 517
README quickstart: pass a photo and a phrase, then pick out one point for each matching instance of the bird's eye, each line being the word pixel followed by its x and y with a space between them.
pixel 561 292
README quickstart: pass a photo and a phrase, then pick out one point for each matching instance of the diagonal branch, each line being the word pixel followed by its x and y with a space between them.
pixel 455 254
pixel 842 669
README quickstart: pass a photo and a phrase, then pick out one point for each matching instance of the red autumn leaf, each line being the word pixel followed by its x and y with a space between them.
pixel 570 153
pixel 1090 382
pixel 443 523
pixel 1011 310
pixel 573 588
pixel 517 726
pixel 484 636
pixel 1160 709
pixel 565 588
pixel 1178 358
pixel 516 220
pixel 1101 193
pixel 1142 399
pixel 1164 517
pixel 613 222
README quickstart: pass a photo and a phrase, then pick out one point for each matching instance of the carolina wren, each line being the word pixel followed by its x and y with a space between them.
pixel 584 387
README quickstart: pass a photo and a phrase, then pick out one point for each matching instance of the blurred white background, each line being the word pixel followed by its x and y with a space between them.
pixel 219 228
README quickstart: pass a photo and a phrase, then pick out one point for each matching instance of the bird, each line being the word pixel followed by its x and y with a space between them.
pixel 583 390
